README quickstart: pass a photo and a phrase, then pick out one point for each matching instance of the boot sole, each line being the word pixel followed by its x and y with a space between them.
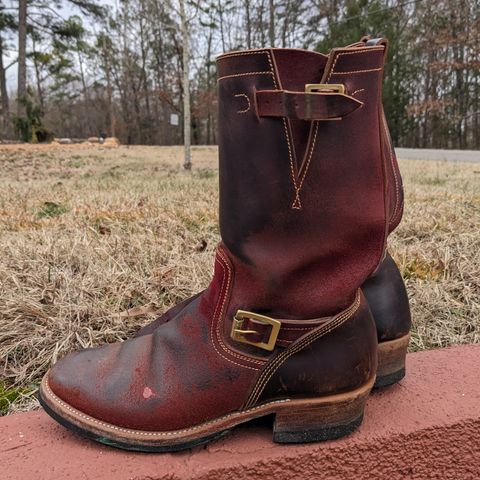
pixel 391 361
pixel 296 421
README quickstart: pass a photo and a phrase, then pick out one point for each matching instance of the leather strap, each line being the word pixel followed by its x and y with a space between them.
pixel 305 106
pixel 290 330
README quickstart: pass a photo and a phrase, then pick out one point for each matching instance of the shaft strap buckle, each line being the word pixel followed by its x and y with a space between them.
pixel 325 88
pixel 240 335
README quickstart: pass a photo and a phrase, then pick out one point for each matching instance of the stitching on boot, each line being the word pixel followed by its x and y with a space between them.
pixel 297 204
pixel 77 413
pixel 358 71
pixel 241 54
pixel 307 165
pixel 272 367
pixel 217 320
pixel 341 54
pixel 246 74
pixel 248 102
pixel 358 91
pixel 396 210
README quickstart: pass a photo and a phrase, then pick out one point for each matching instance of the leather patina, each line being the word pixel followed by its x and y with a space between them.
pixel 304 215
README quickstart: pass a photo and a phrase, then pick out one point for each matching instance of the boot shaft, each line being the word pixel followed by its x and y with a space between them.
pixel 303 187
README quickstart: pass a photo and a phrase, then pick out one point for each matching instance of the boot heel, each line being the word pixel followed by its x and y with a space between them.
pixel 333 417
pixel 391 361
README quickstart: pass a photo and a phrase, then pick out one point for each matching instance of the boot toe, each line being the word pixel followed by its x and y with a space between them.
pixel 74 378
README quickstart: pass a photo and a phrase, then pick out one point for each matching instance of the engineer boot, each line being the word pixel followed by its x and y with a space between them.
pixel 284 327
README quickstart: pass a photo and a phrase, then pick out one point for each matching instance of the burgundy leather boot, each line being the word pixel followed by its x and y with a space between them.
pixel 284 327
pixel 384 290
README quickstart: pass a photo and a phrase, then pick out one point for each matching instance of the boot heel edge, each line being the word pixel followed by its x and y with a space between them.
pixel 391 361
pixel 337 417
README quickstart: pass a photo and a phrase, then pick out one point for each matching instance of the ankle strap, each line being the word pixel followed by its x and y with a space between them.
pixel 327 103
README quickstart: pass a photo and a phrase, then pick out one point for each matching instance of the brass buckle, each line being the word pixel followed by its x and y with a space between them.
pixel 237 333
pixel 325 87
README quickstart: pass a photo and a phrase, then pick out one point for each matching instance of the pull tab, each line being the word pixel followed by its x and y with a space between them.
pixel 373 42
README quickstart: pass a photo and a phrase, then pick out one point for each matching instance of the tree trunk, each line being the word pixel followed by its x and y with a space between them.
pixel 271 26
pixel 5 114
pixel 111 116
pixel 38 77
pixel 22 57
pixel 209 88
pixel 249 24
pixel 86 127
pixel 186 86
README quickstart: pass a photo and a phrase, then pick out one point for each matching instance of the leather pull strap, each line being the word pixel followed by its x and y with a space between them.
pixel 305 106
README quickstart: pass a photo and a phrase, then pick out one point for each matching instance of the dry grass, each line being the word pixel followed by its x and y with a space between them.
pixel 87 233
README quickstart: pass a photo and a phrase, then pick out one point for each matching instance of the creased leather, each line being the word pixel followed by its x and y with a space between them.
pixel 299 238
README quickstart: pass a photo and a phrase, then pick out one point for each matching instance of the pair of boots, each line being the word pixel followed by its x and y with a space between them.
pixel 304 298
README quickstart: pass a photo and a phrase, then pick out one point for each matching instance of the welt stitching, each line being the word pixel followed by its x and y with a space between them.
pixel 277 362
pixel 215 320
pixel 243 75
pixel 248 102
pixel 153 434
pixel 220 321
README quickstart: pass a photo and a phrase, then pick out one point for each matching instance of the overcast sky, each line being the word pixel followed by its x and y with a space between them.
pixel 11 55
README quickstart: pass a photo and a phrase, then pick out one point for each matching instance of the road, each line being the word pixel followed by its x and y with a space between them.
pixel 430 154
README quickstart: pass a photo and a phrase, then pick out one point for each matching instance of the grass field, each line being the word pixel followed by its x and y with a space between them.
pixel 87 233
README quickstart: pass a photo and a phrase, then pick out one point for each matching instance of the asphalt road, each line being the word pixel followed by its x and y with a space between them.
pixel 430 154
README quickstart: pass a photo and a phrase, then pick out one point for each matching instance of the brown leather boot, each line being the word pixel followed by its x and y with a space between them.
pixel 283 328
pixel 384 290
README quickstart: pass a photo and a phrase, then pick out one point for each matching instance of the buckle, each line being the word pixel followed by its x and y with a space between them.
pixel 325 87
pixel 237 333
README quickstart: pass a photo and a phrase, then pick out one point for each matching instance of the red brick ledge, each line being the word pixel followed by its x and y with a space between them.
pixel 426 427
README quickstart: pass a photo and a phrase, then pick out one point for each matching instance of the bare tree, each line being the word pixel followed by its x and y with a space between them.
pixel 141 69
pixel 5 113
pixel 187 164
pixel 22 57
pixel 271 23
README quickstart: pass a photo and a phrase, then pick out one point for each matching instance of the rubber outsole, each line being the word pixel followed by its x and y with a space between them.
pixel 390 379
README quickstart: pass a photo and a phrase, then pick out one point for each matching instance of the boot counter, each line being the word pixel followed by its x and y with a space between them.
pixel 340 361
pixel 387 297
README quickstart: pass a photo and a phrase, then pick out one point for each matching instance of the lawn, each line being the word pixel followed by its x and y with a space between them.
pixel 89 233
